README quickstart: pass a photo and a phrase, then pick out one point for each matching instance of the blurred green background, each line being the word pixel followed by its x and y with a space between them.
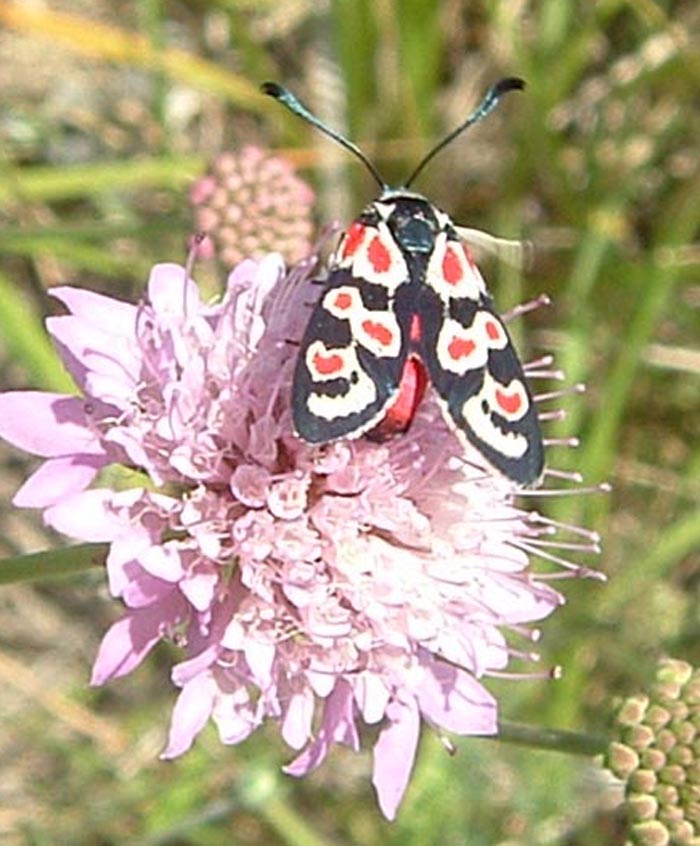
pixel 109 109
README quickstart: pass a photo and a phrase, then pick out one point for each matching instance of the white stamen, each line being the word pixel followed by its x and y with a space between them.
pixel 559 414
pixel 564 442
pixel 572 390
pixel 569 475
pixel 524 308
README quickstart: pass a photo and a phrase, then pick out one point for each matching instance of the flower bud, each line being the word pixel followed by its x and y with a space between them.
pixel 657 754
pixel 251 203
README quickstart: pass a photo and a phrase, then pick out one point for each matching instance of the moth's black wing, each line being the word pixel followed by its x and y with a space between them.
pixel 474 368
pixel 350 360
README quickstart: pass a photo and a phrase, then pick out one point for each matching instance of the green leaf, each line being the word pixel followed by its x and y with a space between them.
pixel 47 183
pixel 52 563
pixel 26 339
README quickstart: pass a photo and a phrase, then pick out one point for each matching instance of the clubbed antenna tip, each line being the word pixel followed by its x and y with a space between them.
pixel 510 83
pixel 294 104
pixel 485 107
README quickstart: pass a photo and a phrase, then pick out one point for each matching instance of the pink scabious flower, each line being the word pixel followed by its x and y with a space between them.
pixel 317 587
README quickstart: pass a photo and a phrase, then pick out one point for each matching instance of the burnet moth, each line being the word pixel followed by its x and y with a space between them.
pixel 404 304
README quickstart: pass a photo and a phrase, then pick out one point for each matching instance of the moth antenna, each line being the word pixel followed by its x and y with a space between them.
pixel 485 107
pixel 284 96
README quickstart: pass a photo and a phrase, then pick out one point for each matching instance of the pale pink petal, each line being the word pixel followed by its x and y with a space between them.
pixel 394 754
pixel 48 424
pixel 192 710
pixel 123 564
pixel 105 366
pixel 143 590
pixel 105 313
pixel 199 588
pixel 337 726
pixel 372 696
pixel 454 700
pixel 57 479
pixel 171 292
pixel 260 657
pixel 298 716
pixel 163 561
pixel 86 516
pixel 130 639
pixel 236 716
pixel 185 671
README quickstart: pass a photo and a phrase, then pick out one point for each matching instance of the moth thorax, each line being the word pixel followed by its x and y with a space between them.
pixel 416 234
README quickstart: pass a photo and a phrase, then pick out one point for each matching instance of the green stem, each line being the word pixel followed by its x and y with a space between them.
pixel 52 563
pixel 262 791
pixel 569 742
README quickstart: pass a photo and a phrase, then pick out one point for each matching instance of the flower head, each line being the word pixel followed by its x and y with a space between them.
pixel 317 587
pixel 251 202
pixel 656 754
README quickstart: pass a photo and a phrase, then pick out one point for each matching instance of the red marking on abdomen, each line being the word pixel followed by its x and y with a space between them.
pixel 493 330
pixel 510 403
pixel 400 414
pixel 353 239
pixel 342 300
pixel 378 331
pixel 378 255
pixel 460 348
pixel 416 330
pixel 327 365
pixel 452 267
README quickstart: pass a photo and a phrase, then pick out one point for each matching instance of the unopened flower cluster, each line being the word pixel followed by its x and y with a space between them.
pixel 657 754
pixel 320 588
pixel 251 202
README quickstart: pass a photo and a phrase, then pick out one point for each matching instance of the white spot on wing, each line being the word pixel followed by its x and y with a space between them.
pixel 452 348
pixel 471 285
pixel 318 354
pixel 334 295
pixel 501 397
pixel 363 268
pixel 360 395
pixel 376 330
pixel 510 444
pixel 485 333
pixel 477 415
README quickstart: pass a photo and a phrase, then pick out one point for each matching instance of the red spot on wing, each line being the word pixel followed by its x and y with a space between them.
pixel 493 330
pixel 327 365
pixel 416 331
pixel 452 268
pixel 353 238
pixel 460 348
pixel 378 255
pixel 381 333
pixel 510 403
pixel 342 300
pixel 401 412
